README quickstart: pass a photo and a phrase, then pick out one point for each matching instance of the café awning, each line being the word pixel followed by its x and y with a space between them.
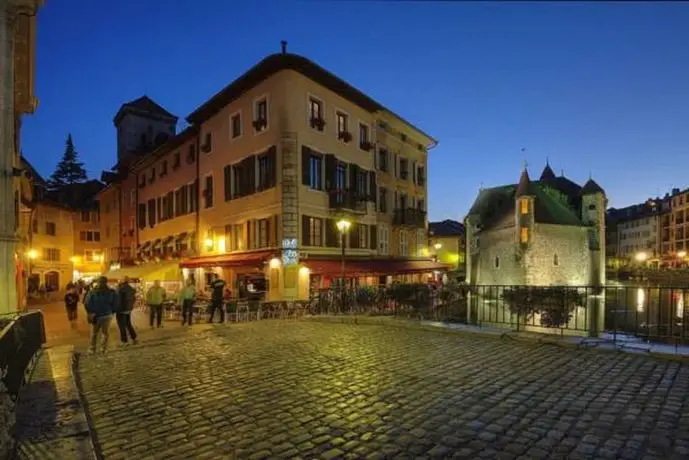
pixel 363 267
pixel 163 271
pixel 228 260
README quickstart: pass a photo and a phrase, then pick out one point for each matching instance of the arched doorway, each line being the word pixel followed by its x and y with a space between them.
pixel 52 281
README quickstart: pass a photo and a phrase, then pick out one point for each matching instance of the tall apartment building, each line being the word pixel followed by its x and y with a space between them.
pixel 253 189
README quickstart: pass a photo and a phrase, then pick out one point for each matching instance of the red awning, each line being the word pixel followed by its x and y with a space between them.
pixel 228 260
pixel 373 266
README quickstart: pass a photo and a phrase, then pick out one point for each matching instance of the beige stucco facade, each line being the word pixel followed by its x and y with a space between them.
pixel 88 247
pixel 52 246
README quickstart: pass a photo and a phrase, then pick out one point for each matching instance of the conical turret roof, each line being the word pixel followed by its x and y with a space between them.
pixel 525 188
pixel 548 173
pixel 591 187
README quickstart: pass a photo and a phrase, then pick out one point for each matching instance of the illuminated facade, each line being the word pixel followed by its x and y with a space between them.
pixel 51 253
pixel 446 242
pixel 545 232
pixel 253 189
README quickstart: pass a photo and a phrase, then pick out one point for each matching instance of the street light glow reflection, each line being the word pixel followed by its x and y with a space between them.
pixel 343 225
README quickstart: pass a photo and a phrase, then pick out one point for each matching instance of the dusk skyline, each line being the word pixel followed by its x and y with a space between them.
pixel 597 89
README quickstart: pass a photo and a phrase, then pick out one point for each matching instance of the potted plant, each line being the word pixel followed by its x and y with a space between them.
pixel 345 136
pixel 367 146
pixel 259 124
pixel 318 123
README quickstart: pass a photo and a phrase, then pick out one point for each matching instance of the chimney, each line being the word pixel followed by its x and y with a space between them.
pixel 283 44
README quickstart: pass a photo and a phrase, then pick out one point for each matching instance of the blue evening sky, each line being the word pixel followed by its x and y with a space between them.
pixel 597 88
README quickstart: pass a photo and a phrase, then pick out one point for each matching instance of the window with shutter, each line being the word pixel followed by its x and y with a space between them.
pixel 273 231
pixel 373 239
pixel 227 174
pixel 330 171
pixel 373 192
pixel 332 235
pixel 305 165
pixel 305 235
pixel 354 235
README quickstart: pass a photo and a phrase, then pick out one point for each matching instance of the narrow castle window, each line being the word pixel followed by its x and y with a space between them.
pixel 497 262
pixel 592 207
pixel 524 205
pixel 556 261
pixel 524 236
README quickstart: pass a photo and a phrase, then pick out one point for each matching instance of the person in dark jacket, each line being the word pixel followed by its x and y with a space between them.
pixel 71 303
pixel 217 291
pixel 101 303
pixel 126 295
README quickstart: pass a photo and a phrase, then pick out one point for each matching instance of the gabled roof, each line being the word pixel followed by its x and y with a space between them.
pixel 446 228
pixel 284 61
pixel 144 106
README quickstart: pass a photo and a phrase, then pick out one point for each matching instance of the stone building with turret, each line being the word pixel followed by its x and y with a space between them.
pixel 549 232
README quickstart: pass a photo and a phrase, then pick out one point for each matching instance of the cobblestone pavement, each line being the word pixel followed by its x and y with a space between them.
pixel 323 390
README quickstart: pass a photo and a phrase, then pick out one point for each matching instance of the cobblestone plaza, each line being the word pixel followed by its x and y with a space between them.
pixel 325 390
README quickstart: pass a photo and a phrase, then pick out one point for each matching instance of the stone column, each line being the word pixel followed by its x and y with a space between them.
pixel 8 238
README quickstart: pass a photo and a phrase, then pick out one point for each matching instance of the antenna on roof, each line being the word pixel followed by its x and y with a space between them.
pixel 283 45
pixel 562 172
pixel 547 161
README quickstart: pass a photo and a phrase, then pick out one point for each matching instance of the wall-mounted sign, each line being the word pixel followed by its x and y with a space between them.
pixel 290 253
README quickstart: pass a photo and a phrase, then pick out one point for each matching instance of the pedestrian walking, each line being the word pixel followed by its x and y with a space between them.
pixel 126 295
pixel 217 291
pixel 187 296
pixel 100 305
pixel 71 304
pixel 154 299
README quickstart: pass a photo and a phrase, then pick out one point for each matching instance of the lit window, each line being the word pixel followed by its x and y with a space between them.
pixel 524 205
pixel 524 235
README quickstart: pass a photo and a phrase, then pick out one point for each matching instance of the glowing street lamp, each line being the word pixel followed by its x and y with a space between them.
pixel 33 254
pixel 641 256
pixel 208 243
pixel 437 246
pixel 682 254
pixel 343 226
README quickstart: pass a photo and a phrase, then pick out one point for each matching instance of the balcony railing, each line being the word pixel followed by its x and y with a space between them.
pixel 410 216
pixel 347 199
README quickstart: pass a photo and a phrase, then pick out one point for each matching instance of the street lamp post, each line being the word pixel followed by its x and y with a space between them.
pixel 343 226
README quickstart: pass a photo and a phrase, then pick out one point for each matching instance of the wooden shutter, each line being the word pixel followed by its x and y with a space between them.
pixel 227 171
pixel 305 229
pixel 353 179
pixel 249 236
pixel 413 172
pixel 373 238
pixel 394 164
pixel 354 235
pixel 273 231
pixel 251 162
pixel 272 166
pixel 330 171
pixel 373 187
pixel 305 165
pixel 332 237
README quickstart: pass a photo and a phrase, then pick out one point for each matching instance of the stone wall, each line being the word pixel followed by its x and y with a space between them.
pixel 570 245
pixel 498 244
pixel 536 265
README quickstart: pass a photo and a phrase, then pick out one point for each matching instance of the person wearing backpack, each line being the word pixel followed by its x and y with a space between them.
pixel 101 303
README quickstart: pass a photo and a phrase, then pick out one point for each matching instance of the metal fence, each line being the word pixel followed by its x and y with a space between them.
pixel 20 339
pixel 654 314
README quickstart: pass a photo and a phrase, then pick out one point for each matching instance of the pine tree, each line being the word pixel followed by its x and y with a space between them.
pixel 69 170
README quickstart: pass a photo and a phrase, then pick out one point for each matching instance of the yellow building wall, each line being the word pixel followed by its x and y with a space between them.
pixel 227 151
pixel 82 264
pixel 110 228
pixel 40 242
pixel 184 175
pixel 451 251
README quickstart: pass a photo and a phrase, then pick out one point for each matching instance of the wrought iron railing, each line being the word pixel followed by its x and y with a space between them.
pixel 20 339
pixel 618 313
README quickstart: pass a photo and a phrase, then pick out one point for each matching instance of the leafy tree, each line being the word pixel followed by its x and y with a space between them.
pixel 69 170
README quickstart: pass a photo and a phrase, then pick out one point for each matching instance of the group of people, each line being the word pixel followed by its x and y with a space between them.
pixel 102 303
